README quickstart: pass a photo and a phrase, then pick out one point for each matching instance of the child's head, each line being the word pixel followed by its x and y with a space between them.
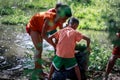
pixel 64 11
pixel 73 22
pixel 58 5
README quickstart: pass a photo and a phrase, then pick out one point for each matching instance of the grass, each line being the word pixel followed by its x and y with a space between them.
pixel 92 17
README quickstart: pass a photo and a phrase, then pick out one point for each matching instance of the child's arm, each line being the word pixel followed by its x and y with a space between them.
pixel 44 33
pixel 88 42
pixel 50 39
pixel 44 30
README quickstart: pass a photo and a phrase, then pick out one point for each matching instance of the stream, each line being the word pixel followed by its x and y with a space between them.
pixel 17 50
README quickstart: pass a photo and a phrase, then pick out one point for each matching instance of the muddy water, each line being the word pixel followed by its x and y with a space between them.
pixel 16 48
pixel 15 41
pixel 8 40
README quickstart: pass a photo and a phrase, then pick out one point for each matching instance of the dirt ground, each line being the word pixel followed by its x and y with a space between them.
pixel 98 75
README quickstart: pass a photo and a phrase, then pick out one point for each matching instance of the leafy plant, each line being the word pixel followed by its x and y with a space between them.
pixel 6 11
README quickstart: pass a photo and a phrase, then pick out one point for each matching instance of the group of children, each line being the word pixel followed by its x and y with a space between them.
pixel 64 40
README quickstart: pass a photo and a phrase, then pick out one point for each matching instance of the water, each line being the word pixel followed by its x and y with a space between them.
pixel 15 41
pixel 16 46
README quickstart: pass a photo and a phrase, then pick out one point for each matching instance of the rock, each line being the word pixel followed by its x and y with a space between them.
pixel 2 59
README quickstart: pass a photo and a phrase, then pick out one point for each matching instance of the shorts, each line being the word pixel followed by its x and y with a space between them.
pixel 116 51
pixel 67 63
pixel 51 32
pixel 28 29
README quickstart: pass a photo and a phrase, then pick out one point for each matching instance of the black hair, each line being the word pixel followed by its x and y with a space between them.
pixel 73 21
pixel 58 5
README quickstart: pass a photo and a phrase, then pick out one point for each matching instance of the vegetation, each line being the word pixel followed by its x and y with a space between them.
pixel 100 15
pixel 90 14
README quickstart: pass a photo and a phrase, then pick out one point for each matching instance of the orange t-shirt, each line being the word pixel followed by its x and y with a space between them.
pixel 37 21
pixel 52 10
pixel 67 39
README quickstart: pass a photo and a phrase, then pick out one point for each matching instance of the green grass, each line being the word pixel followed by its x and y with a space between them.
pixel 90 15
pixel 93 16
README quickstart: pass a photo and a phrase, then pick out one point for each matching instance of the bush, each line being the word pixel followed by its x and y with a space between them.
pixel 6 11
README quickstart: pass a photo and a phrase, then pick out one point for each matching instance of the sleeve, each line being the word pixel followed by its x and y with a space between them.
pixel 78 36
pixel 50 16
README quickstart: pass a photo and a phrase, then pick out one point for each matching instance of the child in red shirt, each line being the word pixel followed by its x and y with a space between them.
pixel 115 55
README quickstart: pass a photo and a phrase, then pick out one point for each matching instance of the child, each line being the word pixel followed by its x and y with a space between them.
pixel 43 22
pixel 65 47
pixel 115 55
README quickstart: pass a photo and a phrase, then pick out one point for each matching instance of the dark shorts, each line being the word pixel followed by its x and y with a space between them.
pixel 116 51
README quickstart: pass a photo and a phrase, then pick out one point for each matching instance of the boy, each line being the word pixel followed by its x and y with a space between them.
pixel 115 55
pixel 67 39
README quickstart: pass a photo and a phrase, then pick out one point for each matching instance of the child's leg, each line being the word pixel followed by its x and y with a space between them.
pixel 37 41
pixel 110 64
pixel 77 71
pixel 51 71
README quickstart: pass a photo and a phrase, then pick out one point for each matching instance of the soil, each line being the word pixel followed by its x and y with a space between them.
pixel 12 69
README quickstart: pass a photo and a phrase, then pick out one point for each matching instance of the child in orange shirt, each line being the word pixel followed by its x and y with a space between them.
pixel 65 54
pixel 43 22
pixel 115 55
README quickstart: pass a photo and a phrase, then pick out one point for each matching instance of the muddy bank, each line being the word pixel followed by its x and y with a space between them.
pixel 16 52
pixel 16 49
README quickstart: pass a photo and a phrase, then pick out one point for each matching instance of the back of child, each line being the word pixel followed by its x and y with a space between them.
pixel 65 54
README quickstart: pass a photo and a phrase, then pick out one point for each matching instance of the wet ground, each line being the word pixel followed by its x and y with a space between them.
pixel 16 54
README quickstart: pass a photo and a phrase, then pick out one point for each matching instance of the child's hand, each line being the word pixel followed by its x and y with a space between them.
pixel 118 35
pixel 88 49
